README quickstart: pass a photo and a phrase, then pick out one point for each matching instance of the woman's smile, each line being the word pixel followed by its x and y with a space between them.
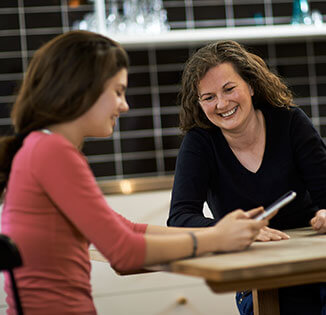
pixel 230 112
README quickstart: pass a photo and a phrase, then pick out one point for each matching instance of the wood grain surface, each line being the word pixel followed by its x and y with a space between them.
pixel 264 265
pixel 299 260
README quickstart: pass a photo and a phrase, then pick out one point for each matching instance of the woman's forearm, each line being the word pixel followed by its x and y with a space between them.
pixel 235 231
pixel 156 229
pixel 163 247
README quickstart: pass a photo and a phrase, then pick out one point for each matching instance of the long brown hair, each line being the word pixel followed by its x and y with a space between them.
pixel 268 87
pixel 64 79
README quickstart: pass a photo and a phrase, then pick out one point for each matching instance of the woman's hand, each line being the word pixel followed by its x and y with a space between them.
pixel 318 222
pixel 237 230
pixel 267 234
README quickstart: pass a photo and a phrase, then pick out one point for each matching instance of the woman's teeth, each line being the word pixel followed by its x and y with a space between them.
pixel 229 113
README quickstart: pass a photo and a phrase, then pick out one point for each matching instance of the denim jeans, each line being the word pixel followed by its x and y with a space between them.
pixel 244 302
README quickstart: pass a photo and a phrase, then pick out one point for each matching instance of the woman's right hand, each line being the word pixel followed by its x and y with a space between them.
pixel 237 230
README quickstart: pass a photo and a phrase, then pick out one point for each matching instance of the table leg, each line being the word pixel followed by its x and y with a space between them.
pixel 266 302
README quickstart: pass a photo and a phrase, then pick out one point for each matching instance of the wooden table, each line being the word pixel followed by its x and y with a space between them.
pixel 262 268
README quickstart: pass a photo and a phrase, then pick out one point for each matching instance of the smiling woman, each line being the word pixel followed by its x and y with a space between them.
pixel 246 144
pixel 100 119
pixel 226 99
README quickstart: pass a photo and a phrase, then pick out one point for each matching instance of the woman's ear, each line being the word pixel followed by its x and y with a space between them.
pixel 251 90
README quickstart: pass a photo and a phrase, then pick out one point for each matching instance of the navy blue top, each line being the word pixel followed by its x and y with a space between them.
pixel 208 170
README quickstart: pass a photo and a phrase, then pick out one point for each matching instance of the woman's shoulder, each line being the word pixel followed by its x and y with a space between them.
pixel 286 114
pixel 41 143
pixel 202 136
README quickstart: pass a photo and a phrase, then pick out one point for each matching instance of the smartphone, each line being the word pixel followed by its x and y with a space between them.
pixel 278 204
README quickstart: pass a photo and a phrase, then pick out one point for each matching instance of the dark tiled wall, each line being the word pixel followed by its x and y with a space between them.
pixel 147 139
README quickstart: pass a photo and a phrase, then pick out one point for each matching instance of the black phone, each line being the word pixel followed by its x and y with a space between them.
pixel 279 203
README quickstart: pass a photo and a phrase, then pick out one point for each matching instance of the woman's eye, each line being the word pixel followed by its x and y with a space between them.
pixel 209 98
pixel 230 89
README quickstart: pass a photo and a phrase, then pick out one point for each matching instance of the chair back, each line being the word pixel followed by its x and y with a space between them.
pixel 10 258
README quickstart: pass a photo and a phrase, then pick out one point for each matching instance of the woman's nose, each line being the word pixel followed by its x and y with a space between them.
pixel 124 106
pixel 221 103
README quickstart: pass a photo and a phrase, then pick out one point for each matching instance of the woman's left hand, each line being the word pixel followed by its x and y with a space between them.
pixel 267 234
pixel 318 222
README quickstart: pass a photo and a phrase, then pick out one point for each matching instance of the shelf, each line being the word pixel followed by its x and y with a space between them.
pixel 189 37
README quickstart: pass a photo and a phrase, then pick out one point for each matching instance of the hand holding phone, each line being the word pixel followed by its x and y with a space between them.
pixel 278 204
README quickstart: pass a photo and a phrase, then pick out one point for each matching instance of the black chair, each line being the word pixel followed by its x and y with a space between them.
pixel 9 259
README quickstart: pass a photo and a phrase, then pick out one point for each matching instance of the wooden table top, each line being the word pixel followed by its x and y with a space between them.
pixel 299 260
pixel 263 264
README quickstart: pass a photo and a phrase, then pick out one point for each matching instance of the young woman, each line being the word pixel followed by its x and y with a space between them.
pixel 53 209
pixel 247 144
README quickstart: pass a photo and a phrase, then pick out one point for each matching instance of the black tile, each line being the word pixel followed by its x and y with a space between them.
pixel 320 69
pixel 169 163
pixel 168 56
pixel 94 147
pixel 168 99
pixel 169 78
pixel 138 79
pixel 321 88
pixel 137 144
pixel 320 48
pixel 40 20
pixel 8 87
pixel 248 11
pixel 37 3
pixel 138 57
pixel 74 16
pixel 176 14
pixel 291 50
pixel 216 12
pixel 319 6
pixel 289 71
pixel 322 110
pixel 8 3
pixel 139 166
pixel 282 9
pixel 300 90
pixel 139 101
pixel 323 131
pixel 5 109
pixel 9 22
pixel 103 169
pixel 36 41
pixel 10 43
pixel 260 50
pixel 170 120
pixel 136 123
pixel 171 142
pixel 11 65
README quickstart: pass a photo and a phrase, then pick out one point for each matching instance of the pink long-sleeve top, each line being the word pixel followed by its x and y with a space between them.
pixel 53 210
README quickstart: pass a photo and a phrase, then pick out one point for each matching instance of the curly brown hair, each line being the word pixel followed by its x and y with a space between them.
pixel 268 87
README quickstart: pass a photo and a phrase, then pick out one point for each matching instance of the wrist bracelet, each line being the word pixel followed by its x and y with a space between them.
pixel 194 244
